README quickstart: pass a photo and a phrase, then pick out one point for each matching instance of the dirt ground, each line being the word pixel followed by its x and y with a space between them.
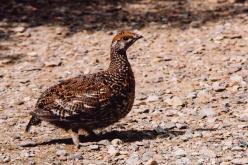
pixel 191 73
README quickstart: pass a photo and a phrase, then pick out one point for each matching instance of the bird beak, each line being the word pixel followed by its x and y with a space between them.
pixel 138 36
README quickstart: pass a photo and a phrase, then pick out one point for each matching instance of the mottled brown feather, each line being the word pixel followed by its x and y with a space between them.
pixel 90 101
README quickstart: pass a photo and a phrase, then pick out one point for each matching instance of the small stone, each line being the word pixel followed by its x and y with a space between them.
pixel 78 156
pixel 53 63
pixel 6 159
pixel 237 148
pixel 181 125
pixel 116 142
pixel 32 54
pixel 152 98
pixel 151 162
pixel 217 87
pixel 175 101
pixel 94 147
pixel 59 30
pixel 139 110
pixel 19 29
pixel 243 117
pixel 61 153
pixel 180 152
pixel 240 161
pixel 27 143
pixel 192 95
pixel 183 160
pixel 113 151
pixel 27 154
pixel 141 96
pixel 104 142
pixel 133 159
pixel 188 135
pixel 207 112
pixel 225 163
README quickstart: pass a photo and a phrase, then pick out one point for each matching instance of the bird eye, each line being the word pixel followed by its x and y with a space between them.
pixel 125 38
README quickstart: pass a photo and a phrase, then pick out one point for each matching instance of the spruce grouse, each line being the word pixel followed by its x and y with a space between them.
pixel 91 101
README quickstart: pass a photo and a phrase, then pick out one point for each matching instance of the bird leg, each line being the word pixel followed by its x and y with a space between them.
pixel 75 137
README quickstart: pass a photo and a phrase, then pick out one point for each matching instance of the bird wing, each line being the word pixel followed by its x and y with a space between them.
pixel 74 99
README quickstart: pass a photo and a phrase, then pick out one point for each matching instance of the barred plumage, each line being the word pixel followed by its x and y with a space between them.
pixel 91 101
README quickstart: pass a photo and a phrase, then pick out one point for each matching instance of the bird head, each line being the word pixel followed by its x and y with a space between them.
pixel 123 40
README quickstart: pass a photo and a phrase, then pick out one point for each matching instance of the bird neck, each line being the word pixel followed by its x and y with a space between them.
pixel 119 61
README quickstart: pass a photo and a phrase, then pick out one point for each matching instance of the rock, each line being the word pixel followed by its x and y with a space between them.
pixel 225 163
pixel 141 96
pixel 77 156
pixel 27 154
pixel 19 29
pixel 183 161
pixel 243 143
pixel 217 87
pixel 5 159
pixel 113 151
pixel 140 111
pixel 61 152
pixel 243 117
pixel 53 63
pixel 116 142
pixel 175 101
pixel 27 143
pixel 151 162
pixel 192 95
pixel 237 148
pixel 158 79
pixel 188 135
pixel 207 112
pixel 133 159
pixel 240 161
pixel 179 152
pixel 104 142
pixel 181 125
pixel 152 98
pixel 94 147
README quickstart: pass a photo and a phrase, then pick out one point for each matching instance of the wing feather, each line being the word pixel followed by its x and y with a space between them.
pixel 73 99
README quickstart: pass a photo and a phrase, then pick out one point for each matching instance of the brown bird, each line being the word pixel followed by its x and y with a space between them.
pixel 91 101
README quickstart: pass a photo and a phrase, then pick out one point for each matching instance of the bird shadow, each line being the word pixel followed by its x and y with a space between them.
pixel 126 136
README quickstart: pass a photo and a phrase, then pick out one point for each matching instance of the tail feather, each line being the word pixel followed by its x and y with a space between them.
pixel 33 121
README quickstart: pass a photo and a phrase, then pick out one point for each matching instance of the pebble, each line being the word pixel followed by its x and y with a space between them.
pixel 152 98
pixel 133 159
pixel 141 96
pixel 53 63
pixel 77 156
pixel 94 147
pixel 116 142
pixel 175 101
pixel 243 117
pixel 237 148
pixel 61 152
pixel 207 112
pixel 6 159
pixel 180 152
pixel 188 135
pixel 27 143
pixel 225 163
pixel 104 142
pixel 183 161
pixel 217 87
pixel 151 162
pixel 19 29
pixel 113 151
pixel 240 161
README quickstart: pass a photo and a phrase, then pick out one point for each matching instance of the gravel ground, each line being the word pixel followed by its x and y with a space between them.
pixel 191 80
